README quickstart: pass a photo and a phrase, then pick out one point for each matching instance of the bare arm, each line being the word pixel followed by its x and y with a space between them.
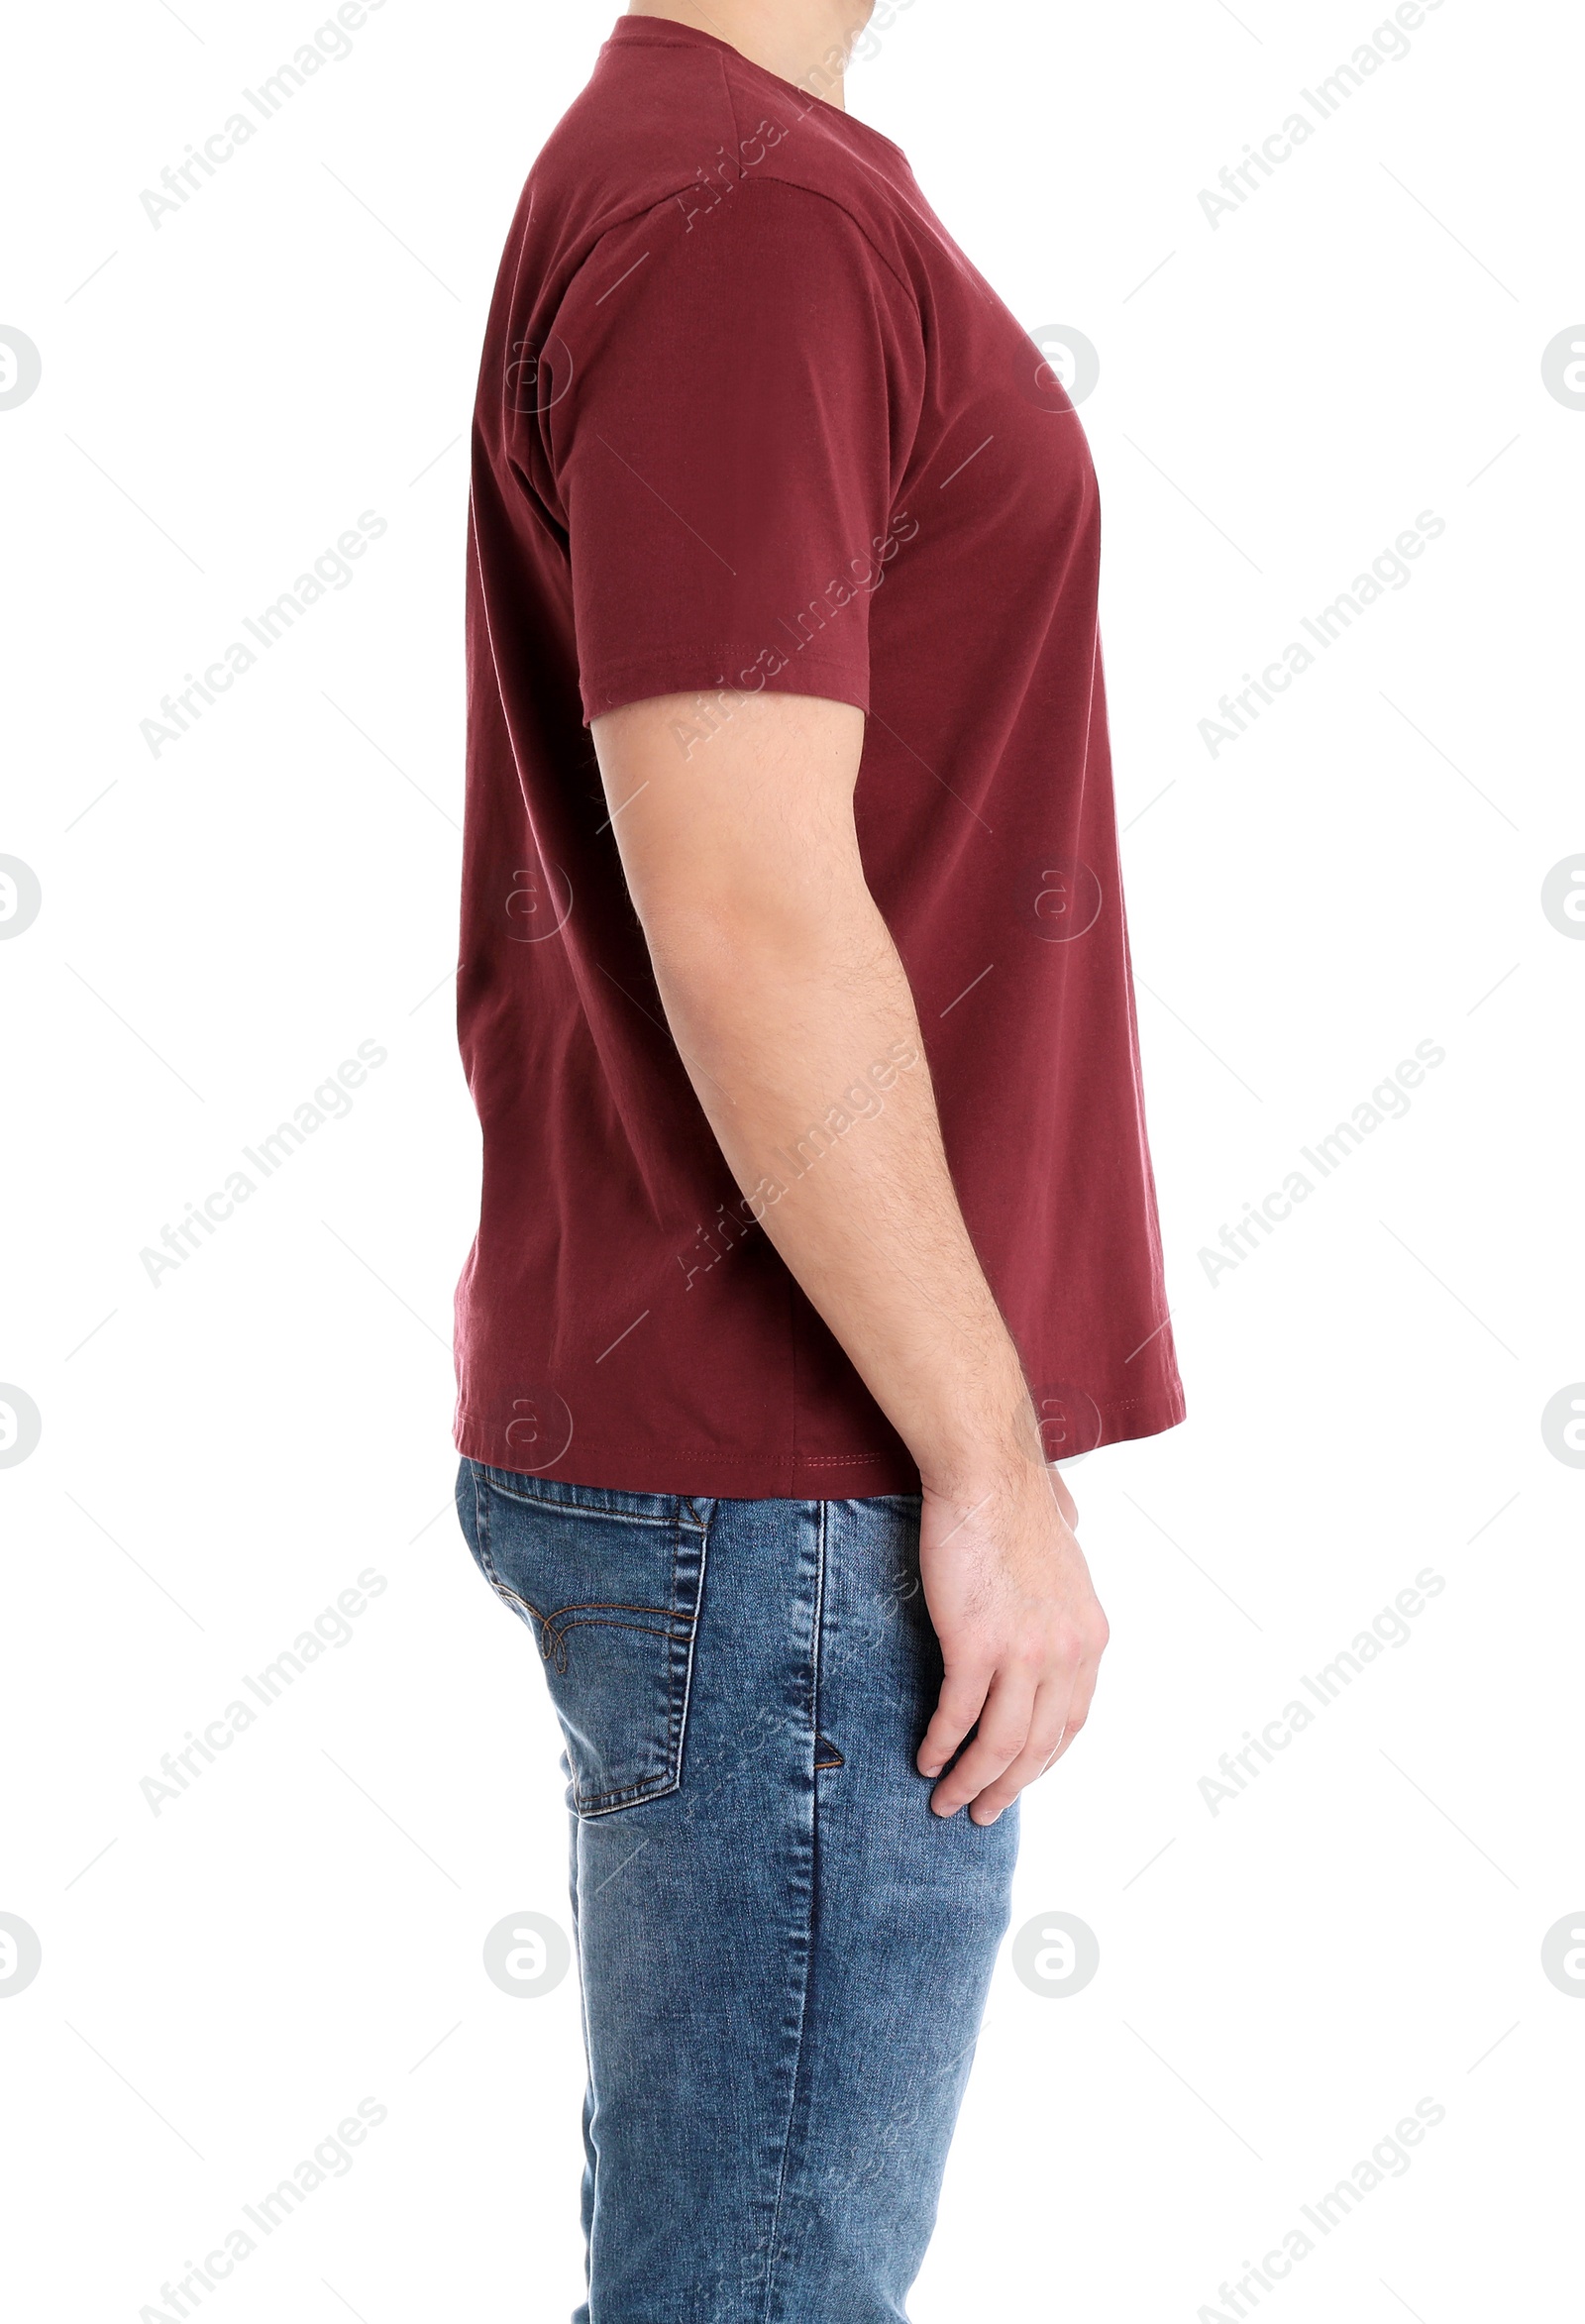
pixel 792 1010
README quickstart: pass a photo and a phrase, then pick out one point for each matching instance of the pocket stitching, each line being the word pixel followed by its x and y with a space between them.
pixel 553 1629
pixel 671 1776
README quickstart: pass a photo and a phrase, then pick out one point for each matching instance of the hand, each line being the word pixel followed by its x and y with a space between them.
pixel 1022 1636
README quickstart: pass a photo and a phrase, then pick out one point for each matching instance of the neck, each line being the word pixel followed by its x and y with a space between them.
pixel 806 42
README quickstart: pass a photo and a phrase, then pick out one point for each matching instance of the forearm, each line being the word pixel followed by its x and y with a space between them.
pixel 801 1038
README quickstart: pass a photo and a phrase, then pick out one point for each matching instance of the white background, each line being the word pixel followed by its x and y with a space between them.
pixel 1281 1981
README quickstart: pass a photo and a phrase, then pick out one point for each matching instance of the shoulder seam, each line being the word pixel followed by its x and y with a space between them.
pixel 857 226
pixel 787 184
pixel 645 209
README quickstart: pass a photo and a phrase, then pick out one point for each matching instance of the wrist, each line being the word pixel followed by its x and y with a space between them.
pixel 999 1458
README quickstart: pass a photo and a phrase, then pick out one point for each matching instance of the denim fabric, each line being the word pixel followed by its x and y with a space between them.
pixel 783 1953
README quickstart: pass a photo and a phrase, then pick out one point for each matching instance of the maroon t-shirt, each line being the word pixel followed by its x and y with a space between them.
pixel 747 419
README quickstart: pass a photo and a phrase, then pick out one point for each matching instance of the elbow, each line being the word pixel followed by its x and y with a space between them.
pixel 755 938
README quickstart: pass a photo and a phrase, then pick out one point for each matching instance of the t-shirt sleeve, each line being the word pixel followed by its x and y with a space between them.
pixel 726 435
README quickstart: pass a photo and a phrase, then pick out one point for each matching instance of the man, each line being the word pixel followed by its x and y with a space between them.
pixel 817 1216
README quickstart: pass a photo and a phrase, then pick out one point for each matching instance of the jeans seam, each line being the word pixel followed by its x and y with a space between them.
pixel 585 1509
pixel 482 1528
pixel 678 1739
pixel 817 1638
pixel 820 1507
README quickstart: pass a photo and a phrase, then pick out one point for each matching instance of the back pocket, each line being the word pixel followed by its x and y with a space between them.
pixel 608 1584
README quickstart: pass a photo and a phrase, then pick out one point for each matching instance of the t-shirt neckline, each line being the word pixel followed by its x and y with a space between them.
pixel 666 31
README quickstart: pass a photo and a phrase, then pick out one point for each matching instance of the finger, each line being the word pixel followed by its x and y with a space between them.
pixel 1084 1687
pixel 1000 1738
pixel 1042 1746
pixel 962 1699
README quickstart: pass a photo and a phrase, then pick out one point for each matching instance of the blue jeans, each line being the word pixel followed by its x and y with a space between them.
pixel 783 1953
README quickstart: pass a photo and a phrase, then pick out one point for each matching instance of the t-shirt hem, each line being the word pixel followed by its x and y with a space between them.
pixel 709 1472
